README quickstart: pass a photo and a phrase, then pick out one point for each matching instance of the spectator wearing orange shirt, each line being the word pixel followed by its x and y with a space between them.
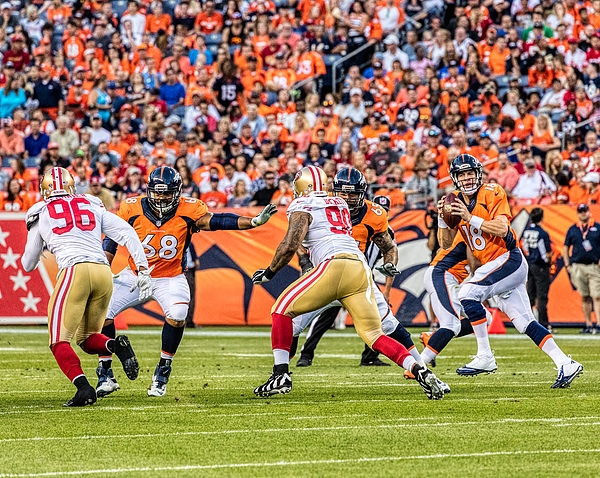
pixel 544 138
pixel 209 21
pixel 157 20
pixel 280 77
pixel 307 64
pixel 214 199
pixel 11 141
pixel 498 56
pixel 15 199
pixel 524 124
pixel 540 75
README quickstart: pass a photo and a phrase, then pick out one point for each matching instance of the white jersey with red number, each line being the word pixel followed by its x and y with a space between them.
pixel 330 231
pixel 71 227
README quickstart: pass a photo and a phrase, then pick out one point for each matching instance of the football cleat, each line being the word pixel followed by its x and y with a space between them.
pixel 424 337
pixel 159 381
pixel 428 381
pixel 304 362
pixel 567 373
pixel 107 383
pixel 126 355
pixel 408 375
pixel 86 395
pixel 480 364
pixel 374 363
pixel 277 383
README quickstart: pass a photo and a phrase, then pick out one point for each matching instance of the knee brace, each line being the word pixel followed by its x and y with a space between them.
pixel 522 323
pixel 389 324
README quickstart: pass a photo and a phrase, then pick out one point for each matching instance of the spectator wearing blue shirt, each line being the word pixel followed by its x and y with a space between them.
pixel 172 92
pixel 37 141
pixel 11 97
pixel 537 249
pixel 581 254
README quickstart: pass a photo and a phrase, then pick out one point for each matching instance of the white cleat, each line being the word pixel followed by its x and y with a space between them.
pixel 567 373
pixel 158 388
pixel 480 364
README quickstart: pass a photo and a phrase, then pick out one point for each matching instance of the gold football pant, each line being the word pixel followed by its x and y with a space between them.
pixel 79 302
pixel 345 278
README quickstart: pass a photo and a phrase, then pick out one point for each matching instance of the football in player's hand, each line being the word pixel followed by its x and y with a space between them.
pixel 449 218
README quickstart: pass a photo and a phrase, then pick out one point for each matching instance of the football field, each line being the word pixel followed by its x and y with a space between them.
pixel 340 420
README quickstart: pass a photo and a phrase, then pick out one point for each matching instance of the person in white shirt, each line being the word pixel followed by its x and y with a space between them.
pixel 575 57
pixel 393 53
pixel 534 184
pixel 461 43
pixel 388 16
pixel 137 20
pixel 228 182
pixel 511 106
pixel 71 227
pixel 98 133
pixel 553 101
pixel 356 109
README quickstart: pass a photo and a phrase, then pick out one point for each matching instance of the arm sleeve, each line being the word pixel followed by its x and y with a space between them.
pixel 118 230
pixel 33 249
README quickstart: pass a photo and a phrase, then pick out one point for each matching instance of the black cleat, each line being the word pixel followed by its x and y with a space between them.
pixel 126 355
pixel 86 395
pixel 374 363
pixel 429 382
pixel 278 383
pixel 304 362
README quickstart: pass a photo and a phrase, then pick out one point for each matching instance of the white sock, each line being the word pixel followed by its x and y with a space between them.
pixel 428 355
pixel 281 356
pixel 408 363
pixel 417 356
pixel 483 341
pixel 555 353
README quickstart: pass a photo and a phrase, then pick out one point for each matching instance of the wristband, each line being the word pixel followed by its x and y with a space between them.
pixel 441 223
pixel 269 274
pixel 476 222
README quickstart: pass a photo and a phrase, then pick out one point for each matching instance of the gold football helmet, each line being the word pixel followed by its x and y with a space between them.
pixel 308 180
pixel 57 182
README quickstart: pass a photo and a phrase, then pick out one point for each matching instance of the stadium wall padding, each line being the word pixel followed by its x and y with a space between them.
pixel 224 292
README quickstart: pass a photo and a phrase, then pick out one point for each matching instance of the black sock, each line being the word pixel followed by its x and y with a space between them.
pixel 111 332
pixel 294 347
pixel 281 368
pixel 171 338
pixel 80 382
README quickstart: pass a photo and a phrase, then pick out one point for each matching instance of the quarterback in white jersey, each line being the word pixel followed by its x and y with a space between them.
pixel 322 225
pixel 71 227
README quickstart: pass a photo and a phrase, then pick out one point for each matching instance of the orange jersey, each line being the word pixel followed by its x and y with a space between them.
pixel 164 244
pixel 208 24
pixel 284 78
pixel 373 220
pixel 490 202
pixel 155 23
pixel 453 260
pixel 310 64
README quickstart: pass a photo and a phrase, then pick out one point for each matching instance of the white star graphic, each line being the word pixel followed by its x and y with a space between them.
pixel 10 259
pixel 3 236
pixel 20 281
pixel 30 302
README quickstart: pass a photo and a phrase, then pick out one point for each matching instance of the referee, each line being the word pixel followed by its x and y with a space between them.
pixel 536 245
pixel 582 254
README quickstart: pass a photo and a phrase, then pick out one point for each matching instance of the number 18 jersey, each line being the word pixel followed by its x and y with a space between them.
pixel 330 231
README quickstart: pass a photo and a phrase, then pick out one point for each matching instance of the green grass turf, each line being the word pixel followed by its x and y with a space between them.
pixel 341 420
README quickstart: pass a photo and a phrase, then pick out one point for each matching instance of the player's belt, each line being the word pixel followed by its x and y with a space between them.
pixel 352 257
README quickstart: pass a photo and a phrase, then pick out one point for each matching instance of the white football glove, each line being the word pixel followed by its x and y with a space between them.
pixel 262 275
pixel 264 215
pixel 388 269
pixel 144 283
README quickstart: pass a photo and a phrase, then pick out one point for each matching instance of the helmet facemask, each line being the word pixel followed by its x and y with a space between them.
pixel 468 185
pixel 162 199
pixel 354 199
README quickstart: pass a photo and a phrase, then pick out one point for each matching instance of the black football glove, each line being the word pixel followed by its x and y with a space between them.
pixel 262 275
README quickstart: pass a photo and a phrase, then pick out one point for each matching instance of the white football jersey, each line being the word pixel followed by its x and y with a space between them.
pixel 330 231
pixel 71 227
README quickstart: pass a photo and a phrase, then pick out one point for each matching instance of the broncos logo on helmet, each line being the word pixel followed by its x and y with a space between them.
pixel 462 164
pixel 350 185
pixel 164 190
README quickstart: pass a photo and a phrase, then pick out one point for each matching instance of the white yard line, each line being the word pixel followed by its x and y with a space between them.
pixel 294 429
pixel 437 456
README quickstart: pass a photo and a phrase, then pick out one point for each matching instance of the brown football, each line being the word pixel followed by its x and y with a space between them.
pixel 449 218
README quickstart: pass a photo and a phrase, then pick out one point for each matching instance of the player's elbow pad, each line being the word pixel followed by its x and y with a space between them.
pixel 224 221
pixel 110 246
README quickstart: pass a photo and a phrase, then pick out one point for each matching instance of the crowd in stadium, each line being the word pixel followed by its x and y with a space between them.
pixel 237 96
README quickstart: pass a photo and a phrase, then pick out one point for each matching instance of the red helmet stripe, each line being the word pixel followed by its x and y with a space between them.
pixel 57 182
pixel 315 178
